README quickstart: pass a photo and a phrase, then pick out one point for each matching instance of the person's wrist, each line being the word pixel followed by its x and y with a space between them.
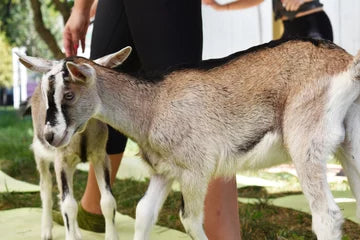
pixel 81 11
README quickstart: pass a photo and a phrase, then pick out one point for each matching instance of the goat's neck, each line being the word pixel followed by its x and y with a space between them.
pixel 126 104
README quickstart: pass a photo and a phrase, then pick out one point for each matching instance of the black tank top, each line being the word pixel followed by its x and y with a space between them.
pixel 280 11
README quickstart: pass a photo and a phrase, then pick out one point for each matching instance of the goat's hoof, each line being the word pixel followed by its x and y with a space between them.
pixel 113 236
pixel 46 237
pixel 78 233
pixel 73 238
pixel 328 227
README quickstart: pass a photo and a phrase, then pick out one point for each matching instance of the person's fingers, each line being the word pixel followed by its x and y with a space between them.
pixel 82 42
pixel 82 39
pixel 295 5
pixel 75 42
pixel 208 2
pixel 298 4
pixel 289 6
pixel 292 5
pixel 67 41
pixel 284 3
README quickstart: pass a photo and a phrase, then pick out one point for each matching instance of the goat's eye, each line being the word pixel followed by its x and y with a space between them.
pixel 69 96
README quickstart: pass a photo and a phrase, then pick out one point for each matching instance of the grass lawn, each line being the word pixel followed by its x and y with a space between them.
pixel 258 221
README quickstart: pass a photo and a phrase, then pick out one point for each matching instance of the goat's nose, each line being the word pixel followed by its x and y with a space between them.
pixel 49 137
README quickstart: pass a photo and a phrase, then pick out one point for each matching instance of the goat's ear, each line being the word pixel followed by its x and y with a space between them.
pixel 36 64
pixel 81 73
pixel 115 59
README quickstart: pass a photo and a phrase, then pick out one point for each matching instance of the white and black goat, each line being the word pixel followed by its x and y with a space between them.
pixel 286 100
pixel 87 144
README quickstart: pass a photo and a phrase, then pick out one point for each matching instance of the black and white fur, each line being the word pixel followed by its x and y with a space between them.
pixel 88 144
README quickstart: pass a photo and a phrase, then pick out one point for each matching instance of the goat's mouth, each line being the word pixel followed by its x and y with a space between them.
pixel 61 140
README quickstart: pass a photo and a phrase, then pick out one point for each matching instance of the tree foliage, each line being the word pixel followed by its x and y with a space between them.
pixel 35 24
pixel 5 63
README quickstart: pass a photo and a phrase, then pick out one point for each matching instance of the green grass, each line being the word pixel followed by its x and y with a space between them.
pixel 258 221
pixel 15 139
pixel 131 149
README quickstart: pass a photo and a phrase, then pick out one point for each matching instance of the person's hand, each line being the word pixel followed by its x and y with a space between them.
pixel 292 5
pixel 208 2
pixel 75 31
pixel 215 5
pixel 219 7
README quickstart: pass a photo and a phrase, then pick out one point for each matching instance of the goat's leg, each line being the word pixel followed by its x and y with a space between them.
pixel 107 201
pixel 148 208
pixel 309 156
pixel 68 204
pixel 46 197
pixel 311 136
pixel 349 155
pixel 351 167
pixel 193 189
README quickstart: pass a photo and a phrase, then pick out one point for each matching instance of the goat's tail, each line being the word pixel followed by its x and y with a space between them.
pixel 25 107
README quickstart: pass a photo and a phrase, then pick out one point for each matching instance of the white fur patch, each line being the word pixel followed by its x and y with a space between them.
pixel 344 90
pixel 268 152
pixel 42 151
pixel 148 208
pixel 45 81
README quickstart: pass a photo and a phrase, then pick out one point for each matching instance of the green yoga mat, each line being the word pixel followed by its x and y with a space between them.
pixel 24 223
pixel 9 184
pixel 344 200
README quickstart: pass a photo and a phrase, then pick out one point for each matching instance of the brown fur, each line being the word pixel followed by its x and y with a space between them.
pixel 252 110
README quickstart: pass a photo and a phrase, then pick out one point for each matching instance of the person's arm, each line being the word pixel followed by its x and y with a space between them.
pixel 76 27
pixel 236 5
pixel 93 9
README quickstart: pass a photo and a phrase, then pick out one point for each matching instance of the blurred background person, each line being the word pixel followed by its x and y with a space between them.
pixel 301 18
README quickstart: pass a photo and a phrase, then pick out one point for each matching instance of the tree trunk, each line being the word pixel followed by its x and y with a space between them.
pixel 63 8
pixel 45 33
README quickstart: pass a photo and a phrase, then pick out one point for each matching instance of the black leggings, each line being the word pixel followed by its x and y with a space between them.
pixel 316 25
pixel 162 33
